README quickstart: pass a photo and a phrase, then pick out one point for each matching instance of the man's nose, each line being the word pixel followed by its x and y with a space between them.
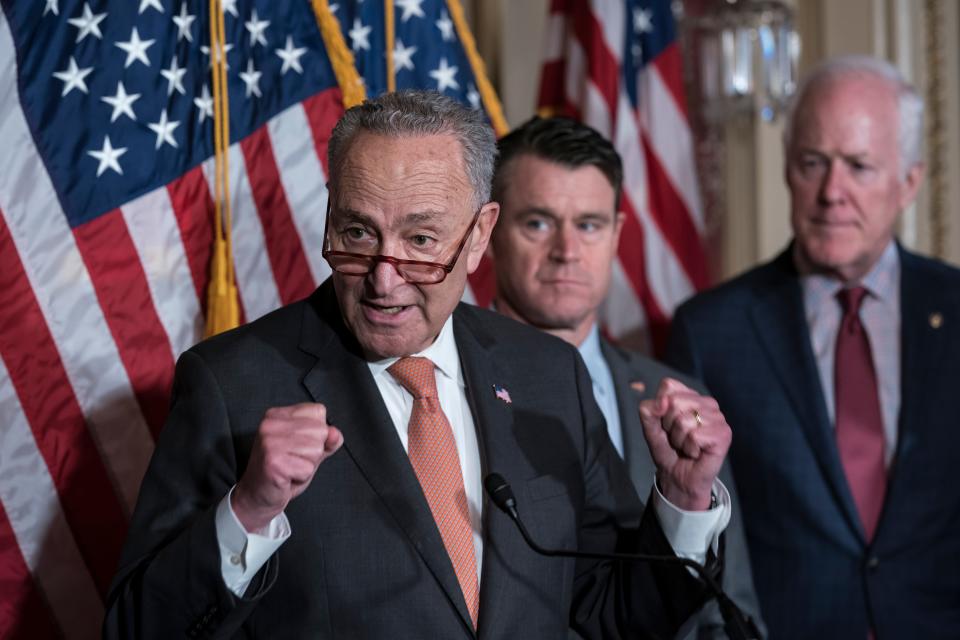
pixel 384 278
pixel 565 244
pixel 833 184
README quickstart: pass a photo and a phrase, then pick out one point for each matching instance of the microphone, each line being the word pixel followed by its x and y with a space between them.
pixel 737 625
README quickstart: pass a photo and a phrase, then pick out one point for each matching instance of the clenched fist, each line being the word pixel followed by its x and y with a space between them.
pixel 688 439
pixel 291 443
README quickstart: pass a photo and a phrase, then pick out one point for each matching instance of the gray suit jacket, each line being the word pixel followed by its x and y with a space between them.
pixel 628 367
pixel 365 558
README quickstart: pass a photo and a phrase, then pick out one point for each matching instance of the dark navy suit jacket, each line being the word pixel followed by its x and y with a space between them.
pixel 815 574
pixel 365 559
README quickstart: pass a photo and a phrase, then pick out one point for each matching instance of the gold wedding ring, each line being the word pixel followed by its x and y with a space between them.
pixel 696 416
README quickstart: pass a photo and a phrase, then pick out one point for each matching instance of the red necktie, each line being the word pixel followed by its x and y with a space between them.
pixel 433 455
pixel 860 437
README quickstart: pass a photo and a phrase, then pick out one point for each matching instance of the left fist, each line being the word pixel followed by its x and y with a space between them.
pixel 688 439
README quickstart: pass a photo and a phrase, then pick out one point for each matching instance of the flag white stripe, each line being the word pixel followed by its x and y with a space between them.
pixel 32 505
pixel 66 296
pixel 255 282
pixel 555 33
pixel 670 139
pixel 304 183
pixel 153 228
pixel 621 310
pixel 666 276
pixel 613 19
pixel 574 73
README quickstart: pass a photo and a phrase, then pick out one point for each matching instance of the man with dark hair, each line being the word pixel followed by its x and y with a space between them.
pixel 260 518
pixel 837 364
pixel 558 185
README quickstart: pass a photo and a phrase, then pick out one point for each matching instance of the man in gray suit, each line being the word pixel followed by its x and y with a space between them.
pixel 260 518
pixel 558 183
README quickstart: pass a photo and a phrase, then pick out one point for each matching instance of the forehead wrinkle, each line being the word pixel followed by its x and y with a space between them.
pixel 410 219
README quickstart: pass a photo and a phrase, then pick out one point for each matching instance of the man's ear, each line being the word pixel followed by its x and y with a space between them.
pixel 480 238
pixel 911 185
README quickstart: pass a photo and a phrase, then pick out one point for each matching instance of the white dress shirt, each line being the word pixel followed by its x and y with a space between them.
pixel 242 554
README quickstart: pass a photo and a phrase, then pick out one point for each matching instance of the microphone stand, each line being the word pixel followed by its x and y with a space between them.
pixel 737 625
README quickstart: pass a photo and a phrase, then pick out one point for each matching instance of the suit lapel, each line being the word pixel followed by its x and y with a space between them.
pixel 499 452
pixel 780 322
pixel 626 379
pixel 341 380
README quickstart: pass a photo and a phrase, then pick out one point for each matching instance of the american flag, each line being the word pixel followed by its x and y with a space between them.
pixel 105 239
pixel 615 65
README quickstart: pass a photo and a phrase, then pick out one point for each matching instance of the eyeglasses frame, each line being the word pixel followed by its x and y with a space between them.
pixel 395 262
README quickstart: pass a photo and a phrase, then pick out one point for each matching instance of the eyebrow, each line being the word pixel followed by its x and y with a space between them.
pixel 858 155
pixel 587 215
pixel 416 217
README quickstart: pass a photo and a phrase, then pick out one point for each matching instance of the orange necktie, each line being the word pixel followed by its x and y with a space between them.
pixel 433 454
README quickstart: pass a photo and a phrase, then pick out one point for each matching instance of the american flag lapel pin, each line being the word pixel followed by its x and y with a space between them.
pixel 502 394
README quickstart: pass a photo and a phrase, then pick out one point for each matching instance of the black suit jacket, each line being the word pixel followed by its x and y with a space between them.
pixel 816 575
pixel 637 378
pixel 365 559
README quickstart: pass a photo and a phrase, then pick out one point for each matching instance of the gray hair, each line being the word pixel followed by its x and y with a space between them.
pixel 420 113
pixel 909 102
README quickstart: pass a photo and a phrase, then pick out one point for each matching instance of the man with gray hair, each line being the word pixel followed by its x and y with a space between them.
pixel 836 365
pixel 260 518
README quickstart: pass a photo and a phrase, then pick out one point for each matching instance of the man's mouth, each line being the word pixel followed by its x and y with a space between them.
pixel 381 310
pixel 389 310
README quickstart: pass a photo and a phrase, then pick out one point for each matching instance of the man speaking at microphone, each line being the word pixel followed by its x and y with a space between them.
pixel 320 473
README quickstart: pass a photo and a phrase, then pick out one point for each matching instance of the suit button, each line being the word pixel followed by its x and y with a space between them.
pixel 873 562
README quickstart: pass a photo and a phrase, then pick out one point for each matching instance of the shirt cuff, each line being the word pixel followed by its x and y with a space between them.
pixel 692 533
pixel 243 554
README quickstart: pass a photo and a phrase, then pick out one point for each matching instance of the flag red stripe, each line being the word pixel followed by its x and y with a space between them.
pixel 90 504
pixel 23 612
pixel 323 110
pixel 287 260
pixel 603 67
pixel 483 283
pixel 193 207
pixel 124 295
pixel 551 84
pixel 673 219
pixel 670 65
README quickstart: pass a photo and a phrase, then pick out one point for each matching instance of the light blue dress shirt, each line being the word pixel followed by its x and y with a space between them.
pixel 604 390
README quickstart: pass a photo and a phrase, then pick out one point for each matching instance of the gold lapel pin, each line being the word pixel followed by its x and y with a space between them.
pixel 638 386
pixel 936 320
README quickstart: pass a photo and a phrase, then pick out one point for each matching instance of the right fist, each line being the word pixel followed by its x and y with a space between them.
pixel 291 443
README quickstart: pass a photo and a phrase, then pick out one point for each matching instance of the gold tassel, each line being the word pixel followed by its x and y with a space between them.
pixel 389 33
pixel 490 100
pixel 223 313
pixel 344 67
pixel 223 310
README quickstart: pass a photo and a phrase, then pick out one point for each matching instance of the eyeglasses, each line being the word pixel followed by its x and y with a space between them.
pixel 413 271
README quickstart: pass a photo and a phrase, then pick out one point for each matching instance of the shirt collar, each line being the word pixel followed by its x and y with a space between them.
pixel 590 352
pixel 443 352
pixel 882 281
pixel 590 347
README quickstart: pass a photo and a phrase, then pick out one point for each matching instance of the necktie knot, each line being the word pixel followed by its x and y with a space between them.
pixel 851 299
pixel 415 374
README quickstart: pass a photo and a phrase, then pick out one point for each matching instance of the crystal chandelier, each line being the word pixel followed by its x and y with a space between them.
pixel 744 57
